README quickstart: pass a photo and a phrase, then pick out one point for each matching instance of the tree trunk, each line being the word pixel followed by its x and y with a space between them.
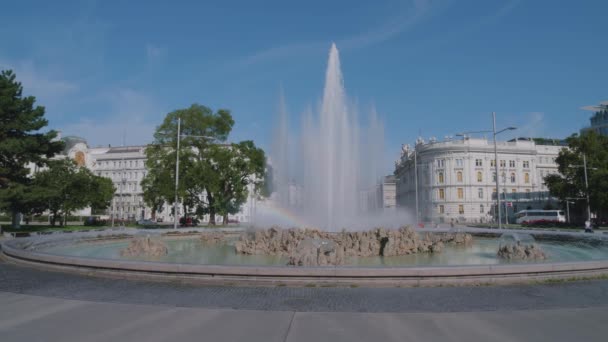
pixel 16 219
pixel 53 218
pixel 210 199
pixel 225 219
pixel 211 216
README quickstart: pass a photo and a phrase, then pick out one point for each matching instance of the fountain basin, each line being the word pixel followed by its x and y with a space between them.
pixel 35 251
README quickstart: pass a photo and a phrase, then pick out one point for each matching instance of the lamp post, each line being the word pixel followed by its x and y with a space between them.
pixel 175 216
pixel 568 210
pixel 584 166
pixel 494 134
pixel 416 184
pixel 179 136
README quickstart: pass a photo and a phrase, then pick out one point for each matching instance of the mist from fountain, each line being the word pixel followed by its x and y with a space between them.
pixel 334 160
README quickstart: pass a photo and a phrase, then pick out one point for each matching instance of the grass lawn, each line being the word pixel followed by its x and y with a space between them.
pixel 47 228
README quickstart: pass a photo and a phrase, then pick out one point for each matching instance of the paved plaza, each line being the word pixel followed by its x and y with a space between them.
pixel 51 306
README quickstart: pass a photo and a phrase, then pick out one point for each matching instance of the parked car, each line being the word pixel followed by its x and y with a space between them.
pixel 188 221
pixel 147 223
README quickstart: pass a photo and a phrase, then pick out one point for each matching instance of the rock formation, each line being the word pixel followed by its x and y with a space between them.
pixel 316 252
pixel 213 237
pixel 312 247
pixel 519 251
pixel 145 246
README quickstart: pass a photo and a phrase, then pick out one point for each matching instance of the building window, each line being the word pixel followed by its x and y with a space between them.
pixel 493 176
pixel 459 177
pixel 480 193
pixel 478 162
pixel 461 209
pixel 503 163
pixel 441 194
pixel 460 193
pixel 513 190
pixel 511 163
pixel 512 177
pixel 440 162
pixel 527 178
pixel 492 162
pixel 479 176
pixel 526 164
pixel 459 162
pixel 441 177
pixel 481 209
pixel 504 177
pixel 441 209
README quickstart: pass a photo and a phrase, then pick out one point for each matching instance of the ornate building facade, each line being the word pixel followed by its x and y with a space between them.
pixel 126 167
pixel 456 179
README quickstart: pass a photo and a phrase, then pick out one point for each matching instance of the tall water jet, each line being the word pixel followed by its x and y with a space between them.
pixel 331 167
pixel 331 155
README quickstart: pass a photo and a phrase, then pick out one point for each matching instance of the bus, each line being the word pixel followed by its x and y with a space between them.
pixel 538 216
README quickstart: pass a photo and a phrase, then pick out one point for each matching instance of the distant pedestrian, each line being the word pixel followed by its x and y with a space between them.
pixel 588 228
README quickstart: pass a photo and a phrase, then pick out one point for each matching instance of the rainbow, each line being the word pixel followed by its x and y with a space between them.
pixel 269 213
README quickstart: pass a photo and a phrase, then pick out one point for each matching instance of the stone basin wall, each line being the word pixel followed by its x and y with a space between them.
pixel 312 247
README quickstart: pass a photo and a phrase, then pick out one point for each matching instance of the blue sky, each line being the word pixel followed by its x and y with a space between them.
pixel 432 66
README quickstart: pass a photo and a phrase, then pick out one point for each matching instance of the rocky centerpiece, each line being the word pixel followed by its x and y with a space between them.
pixel 521 251
pixel 213 237
pixel 313 247
pixel 145 246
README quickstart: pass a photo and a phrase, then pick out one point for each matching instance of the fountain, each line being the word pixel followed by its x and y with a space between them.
pixel 330 171
pixel 335 160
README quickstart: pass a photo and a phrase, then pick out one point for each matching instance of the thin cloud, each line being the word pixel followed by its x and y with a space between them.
pixel 38 83
pixel 535 126
pixel 279 52
pixel 131 115
pixel 399 24
pixel 155 54
pixel 391 29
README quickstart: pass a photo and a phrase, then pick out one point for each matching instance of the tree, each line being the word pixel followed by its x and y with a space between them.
pixel 152 186
pixel 21 143
pixel 64 187
pixel 570 183
pixel 230 169
pixel 199 127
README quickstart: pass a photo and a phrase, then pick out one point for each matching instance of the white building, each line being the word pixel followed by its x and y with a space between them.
pixel 126 167
pixel 456 178
pixel 599 120
pixel 383 197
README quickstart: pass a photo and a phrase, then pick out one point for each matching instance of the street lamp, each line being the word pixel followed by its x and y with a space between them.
pixel 584 166
pixel 494 133
pixel 179 136
pixel 568 202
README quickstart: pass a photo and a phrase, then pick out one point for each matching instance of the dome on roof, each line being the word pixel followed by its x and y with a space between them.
pixel 71 141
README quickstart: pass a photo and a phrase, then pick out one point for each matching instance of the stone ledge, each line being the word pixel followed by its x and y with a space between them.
pixel 366 276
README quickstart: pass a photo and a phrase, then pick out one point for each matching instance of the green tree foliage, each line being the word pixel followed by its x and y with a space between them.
pixel 65 187
pixel 199 127
pixel 214 176
pixel 152 186
pixel 230 170
pixel 570 183
pixel 21 143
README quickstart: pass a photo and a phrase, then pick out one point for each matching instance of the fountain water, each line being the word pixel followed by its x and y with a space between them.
pixel 335 160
